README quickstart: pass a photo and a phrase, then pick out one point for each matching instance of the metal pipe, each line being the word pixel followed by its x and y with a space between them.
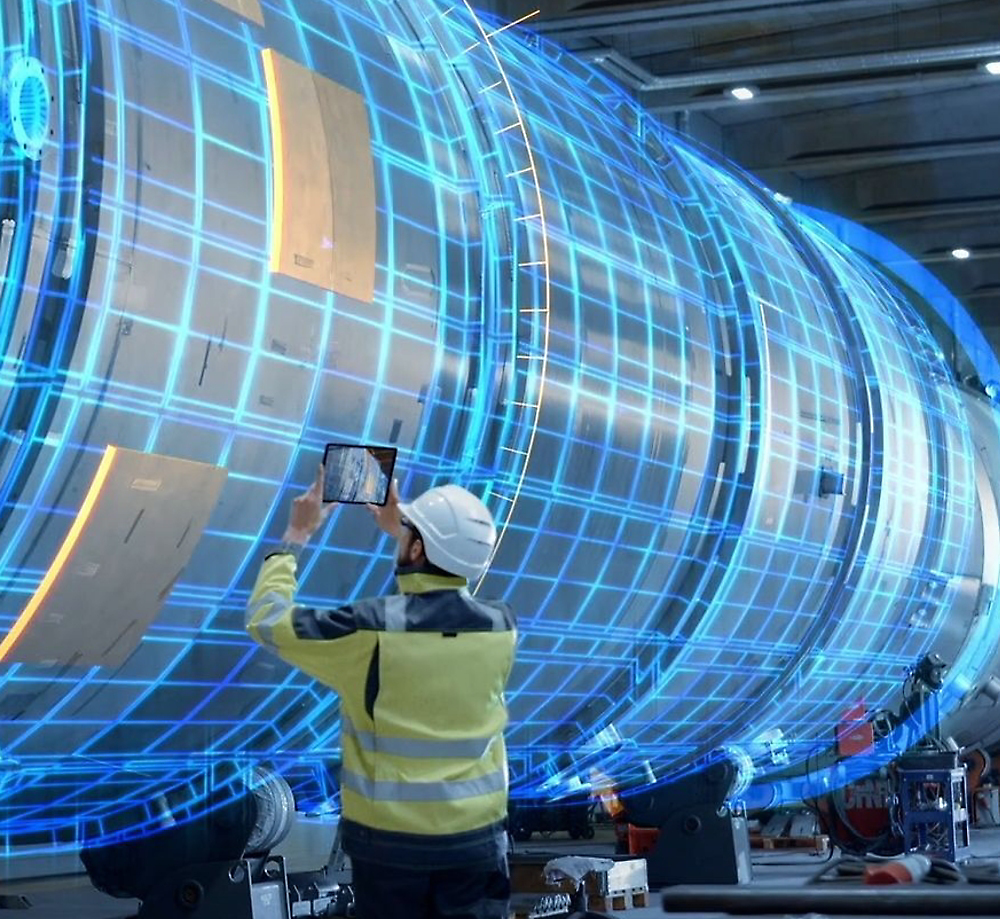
pixel 918 84
pixel 984 293
pixel 811 67
pixel 692 355
pixel 693 15
pixel 925 211
pixel 752 901
pixel 865 159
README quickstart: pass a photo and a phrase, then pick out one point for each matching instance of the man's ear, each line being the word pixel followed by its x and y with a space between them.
pixel 416 550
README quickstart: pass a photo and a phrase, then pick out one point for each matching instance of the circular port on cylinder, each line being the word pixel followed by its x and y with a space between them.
pixel 691 825
pixel 27 105
pixel 189 895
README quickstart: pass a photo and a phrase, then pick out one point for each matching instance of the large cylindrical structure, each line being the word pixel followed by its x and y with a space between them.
pixel 737 487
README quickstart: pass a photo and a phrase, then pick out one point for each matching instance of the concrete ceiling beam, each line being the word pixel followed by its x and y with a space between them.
pixel 784 71
pixel 711 12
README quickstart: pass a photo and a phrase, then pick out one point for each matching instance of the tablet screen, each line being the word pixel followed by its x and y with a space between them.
pixel 357 475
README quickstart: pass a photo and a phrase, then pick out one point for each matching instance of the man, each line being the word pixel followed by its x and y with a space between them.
pixel 421 678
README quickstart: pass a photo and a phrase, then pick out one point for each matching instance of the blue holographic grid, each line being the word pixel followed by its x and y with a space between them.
pixel 638 360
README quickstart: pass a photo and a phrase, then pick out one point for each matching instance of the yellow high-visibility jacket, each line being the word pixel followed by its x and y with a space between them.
pixel 421 677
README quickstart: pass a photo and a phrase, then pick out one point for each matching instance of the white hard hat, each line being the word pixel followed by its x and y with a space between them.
pixel 456 528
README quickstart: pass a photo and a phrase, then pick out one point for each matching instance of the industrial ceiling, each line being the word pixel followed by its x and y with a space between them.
pixel 881 111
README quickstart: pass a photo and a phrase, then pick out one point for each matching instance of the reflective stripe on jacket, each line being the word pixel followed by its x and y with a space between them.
pixel 421 678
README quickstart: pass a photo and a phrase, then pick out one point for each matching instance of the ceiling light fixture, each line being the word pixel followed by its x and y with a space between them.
pixel 961 254
pixel 743 93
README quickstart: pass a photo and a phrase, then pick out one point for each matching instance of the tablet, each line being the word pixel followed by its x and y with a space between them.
pixel 357 474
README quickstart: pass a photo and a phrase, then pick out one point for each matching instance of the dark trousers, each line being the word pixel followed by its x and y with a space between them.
pixel 384 892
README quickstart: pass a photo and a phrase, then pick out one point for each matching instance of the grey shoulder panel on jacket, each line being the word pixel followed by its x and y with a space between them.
pixel 437 611
pixel 455 611
pixel 324 624
pixel 329 624
pixel 500 614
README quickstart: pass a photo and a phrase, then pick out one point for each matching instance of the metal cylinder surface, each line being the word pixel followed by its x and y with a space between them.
pixel 735 482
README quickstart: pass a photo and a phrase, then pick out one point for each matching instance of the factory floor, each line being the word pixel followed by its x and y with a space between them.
pixel 781 867
pixel 74 898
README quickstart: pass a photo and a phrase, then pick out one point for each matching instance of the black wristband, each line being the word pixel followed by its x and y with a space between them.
pixel 287 548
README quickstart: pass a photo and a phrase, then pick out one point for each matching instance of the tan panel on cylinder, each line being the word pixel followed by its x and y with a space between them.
pixel 248 9
pixel 132 538
pixel 324 181
pixel 352 178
